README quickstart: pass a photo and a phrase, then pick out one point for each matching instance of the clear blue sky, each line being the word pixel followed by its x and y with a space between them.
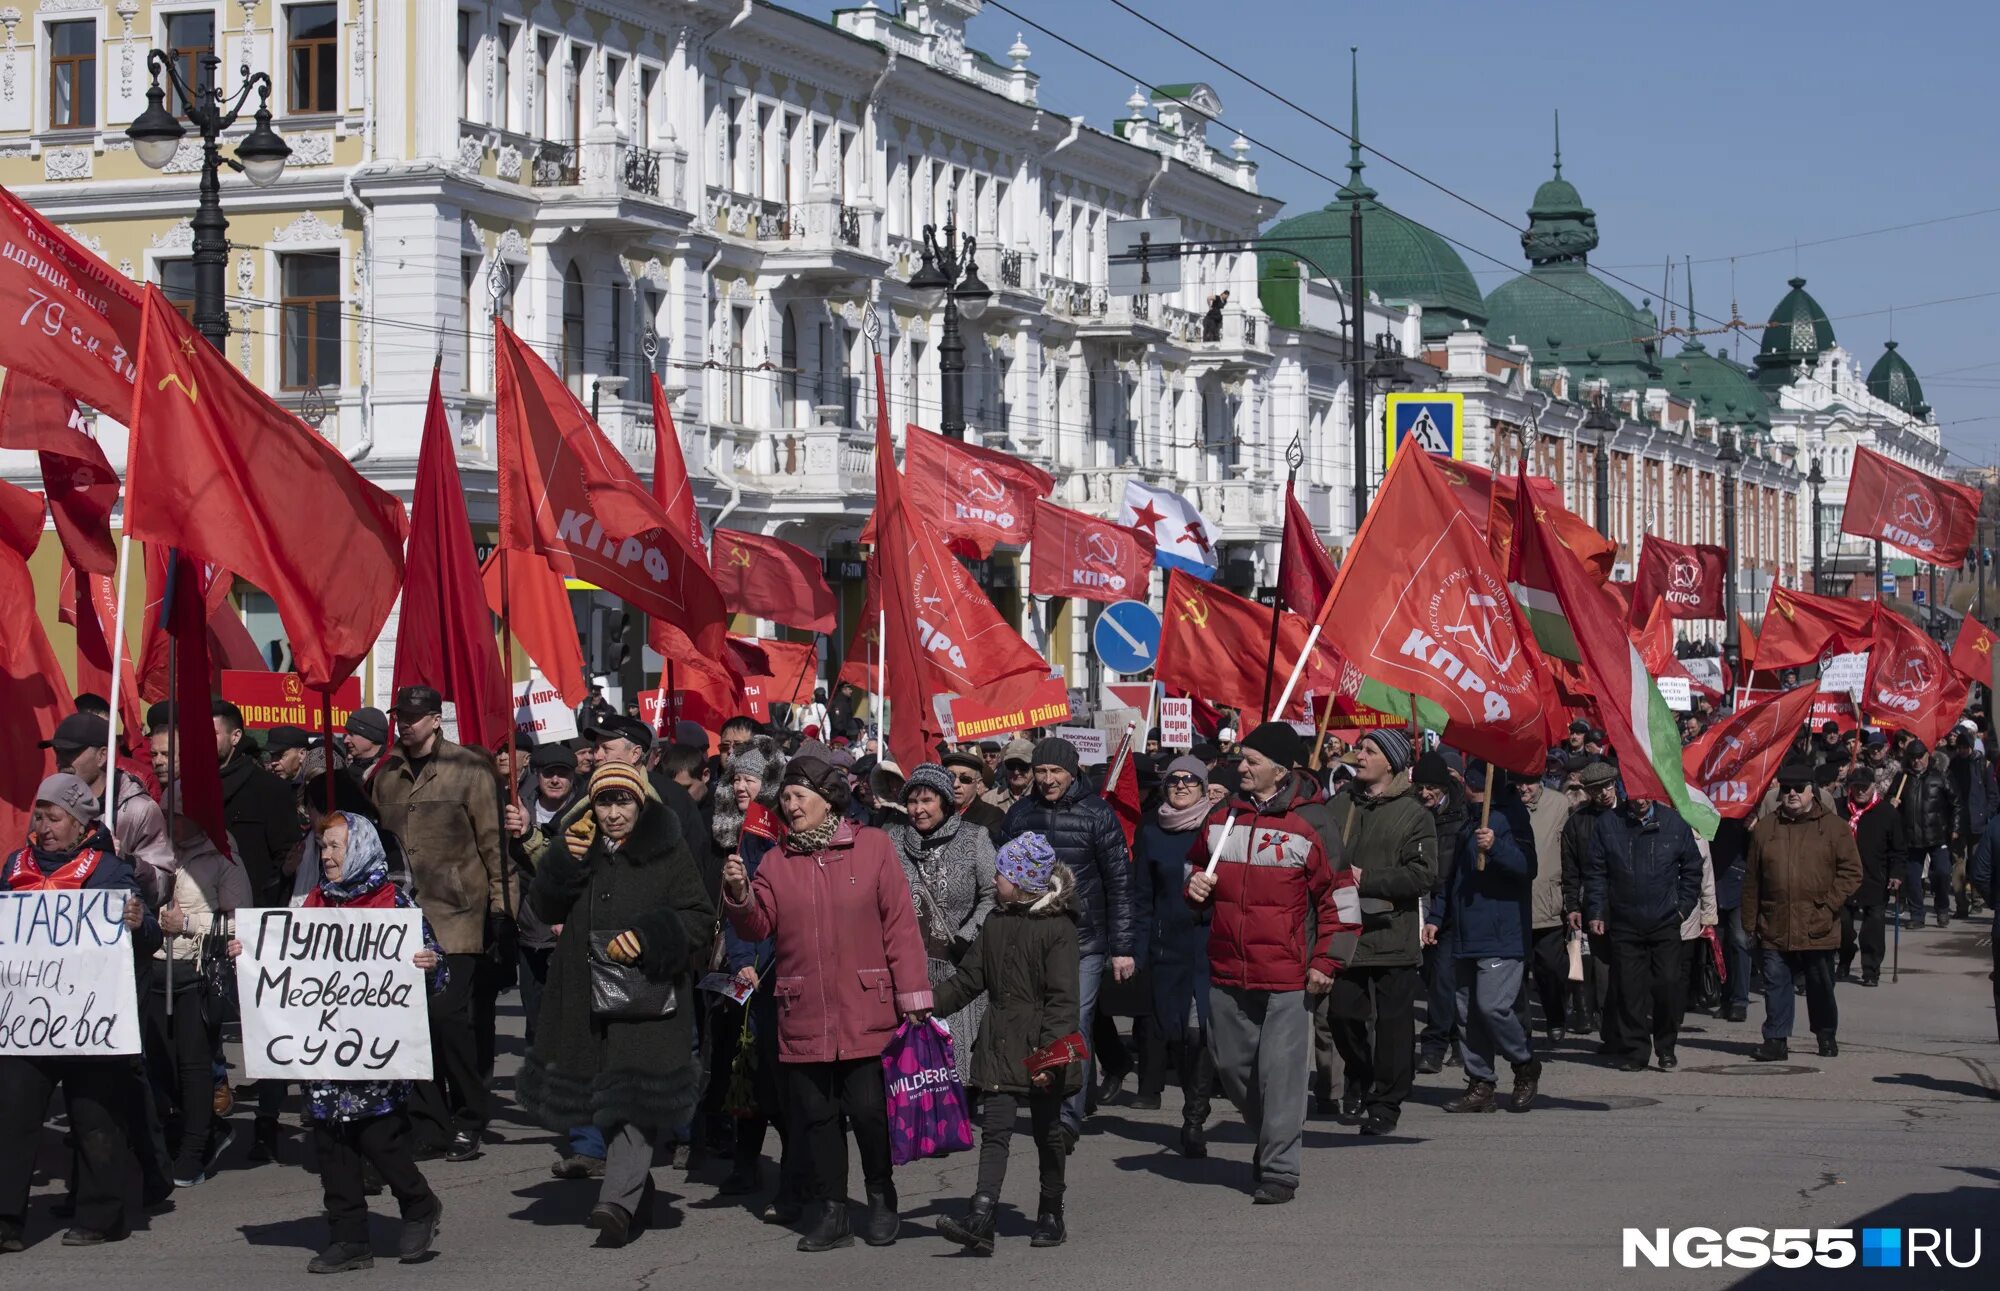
pixel 1693 129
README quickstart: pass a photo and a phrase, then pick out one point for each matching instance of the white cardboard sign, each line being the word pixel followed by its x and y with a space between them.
pixel 331 994
pixel 1177 723
pixel 540 711
pixel 1093 748
pixel 67 984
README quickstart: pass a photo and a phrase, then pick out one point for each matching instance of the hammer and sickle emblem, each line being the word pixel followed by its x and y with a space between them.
pixel 295 690
pixel 739 556
pixel 1194 609
pixel 1784 604
pixel 1984 644
pixel 189 388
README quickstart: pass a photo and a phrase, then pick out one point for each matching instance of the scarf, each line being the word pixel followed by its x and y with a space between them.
pixel 36 869
pixel 1855 811
pixel 1179 820
pixel 814 839
pixel 364 879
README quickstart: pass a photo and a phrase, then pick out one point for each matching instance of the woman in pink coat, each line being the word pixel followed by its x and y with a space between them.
pixel 849 966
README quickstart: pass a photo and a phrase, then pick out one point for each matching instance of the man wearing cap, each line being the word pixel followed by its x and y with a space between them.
pixel 1390 842
pixel 1641 880
pixel 367 739
pixel 284 749
pixel 1284 918
pixel 1016 775
pixel 137 824
pixel 1877 825
pixel 1087 837
pixel 1438 777
pixel 970 778
pixel 1927 812
pixel 1803 865
pixel 440 798
pixel 1599 781
pixel 68 850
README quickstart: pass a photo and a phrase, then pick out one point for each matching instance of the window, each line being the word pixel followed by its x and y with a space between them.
pixel 614 359
pixel 579 59
pixel 788 362
pixel 545 57
pixel 72 75
pixel 572 330
pixel 176 279
pixel 465 47
pixel 739 320
pixel 310 327
pixel 312 57
pixel 614 79
pixel 191 38
pixel 468 282
pixel 503 84
pixel 649 87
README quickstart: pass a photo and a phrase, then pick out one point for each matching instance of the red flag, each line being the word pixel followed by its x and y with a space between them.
pixel 1911 685
pixel 1422 606
pixel 862 663
pixel 1972 651
pixel 568 494
pixel 222 622
pixel 1085 557
pixel 673 489
pixel 90 605
pixel 231 648
pixel 535 604
pixel 1686 579
pixel 1735 760
pixel 33 694
pixel 1799 627
pixel 1746 644
pixel 78 318
pixel 970 492
pixel 943 632
pixel 1305 572
pixel 1915 513
pixel 1123 793
pixel 221 472
pixel 774 672
pixel 444 639
pixel 711 690
pixel 1656 645
pixel 1489 501
pixel 198 777
pixel 769 578
pixel 1213 643
pixel 82 488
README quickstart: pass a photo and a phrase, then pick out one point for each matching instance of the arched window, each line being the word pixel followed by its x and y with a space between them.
pixel 572 330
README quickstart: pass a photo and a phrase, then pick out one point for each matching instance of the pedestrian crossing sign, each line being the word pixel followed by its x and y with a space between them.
pixel 1434 420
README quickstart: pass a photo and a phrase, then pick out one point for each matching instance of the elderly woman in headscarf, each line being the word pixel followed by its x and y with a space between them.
pixel 365 1122
pixel 948 862
pixel 1179 941
pixel 847 967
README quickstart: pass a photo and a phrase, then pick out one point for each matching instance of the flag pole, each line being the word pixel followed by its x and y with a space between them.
pixel 881 684
pixel 326 734
pixel 1298 669
pixel 1277 606
pixel 117 659
pixel 171 591
pixel 1486 813
pixel 1118 762
pixel 1319 741
pixel 507 648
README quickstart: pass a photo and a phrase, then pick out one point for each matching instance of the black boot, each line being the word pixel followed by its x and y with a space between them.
pixel 1194 1140
pixel 883 1221
pixel 829 1230
pixel 1049 1230
pixel 1771 1051
pixel 975 1231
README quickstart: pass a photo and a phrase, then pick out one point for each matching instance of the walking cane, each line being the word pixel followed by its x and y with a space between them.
pixel 1896 955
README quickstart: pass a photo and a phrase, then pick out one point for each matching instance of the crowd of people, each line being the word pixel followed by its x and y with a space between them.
pixel 777 901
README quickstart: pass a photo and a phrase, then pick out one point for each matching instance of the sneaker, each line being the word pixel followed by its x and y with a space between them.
pixel 10 1240
pixel 1873 979
pixel 342 1257
pixel 1272 1193
pixel 188 1180
pixel 418 1234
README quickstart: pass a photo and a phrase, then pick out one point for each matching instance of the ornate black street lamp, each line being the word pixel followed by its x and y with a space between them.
pixel 948 277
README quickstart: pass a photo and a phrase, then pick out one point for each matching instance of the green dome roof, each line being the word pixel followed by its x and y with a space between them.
pixel 1892 380
pixel 1401 260
pixel 1797 334
pixel 1717 388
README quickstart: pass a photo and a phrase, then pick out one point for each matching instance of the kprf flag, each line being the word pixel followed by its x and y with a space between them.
pixel 81 486
pixel 76 319
pixel 1568 606
pixel 219 471
pixel 1091 559
pixel 1489 500
pixel 769 578
pixel 979 494
pixel 1182 536
pixel 1972 651
pixel 1685 579
pixel 1421 608
pixel 1735 760
pixel 1911 685
pixel 1306 572
pixel 689 667
pixel 1799 627
pixel 1915 513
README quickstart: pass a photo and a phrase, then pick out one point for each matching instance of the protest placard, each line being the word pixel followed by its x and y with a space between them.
pixel 1093 748
pixel 1677 691
pixel 67 988
pixel 332 995
pixel 1177 723
pixel 540 711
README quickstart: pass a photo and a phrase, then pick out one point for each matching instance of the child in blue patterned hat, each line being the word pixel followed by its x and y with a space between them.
pixel 1025 962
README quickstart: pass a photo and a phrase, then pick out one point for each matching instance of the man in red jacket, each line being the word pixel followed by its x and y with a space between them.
pixel 1279 880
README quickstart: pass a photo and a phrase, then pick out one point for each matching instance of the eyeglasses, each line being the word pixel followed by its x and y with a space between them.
pixel 966 777
pixel 1181 781
pixel 1795 789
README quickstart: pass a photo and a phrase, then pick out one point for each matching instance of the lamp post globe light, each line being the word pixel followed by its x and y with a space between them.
pixel 1599 421
pixel 156 136
pixel 1817 478
pixel 948 277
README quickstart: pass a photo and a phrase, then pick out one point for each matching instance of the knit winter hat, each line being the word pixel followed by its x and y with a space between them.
pixel 929 776
pixel 617 775
pixel 1392 744
pixel 760 758
pixel 1054 752
pixel 1276 741
pixel 1187 764
pixel 1431 770
pixel 1028 862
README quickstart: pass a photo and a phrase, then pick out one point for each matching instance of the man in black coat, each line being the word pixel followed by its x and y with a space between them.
pixel 1882 840
pixel 1927 818
pixel 1599 782
pixel 1641 880
pixel 1085 834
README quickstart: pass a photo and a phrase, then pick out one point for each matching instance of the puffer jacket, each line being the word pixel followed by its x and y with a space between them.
pixel 1641 876
pixel 1086 836
pixel 1392 840
pixel 1927 808
pixel 1798 875
pixel 1485 912
pixel 1273 878
pixel 1025 963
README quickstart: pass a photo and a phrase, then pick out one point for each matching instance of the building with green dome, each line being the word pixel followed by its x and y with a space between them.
pixel 1893 381
pixel 1403 263
pixel 1564 314
pixel 1794 338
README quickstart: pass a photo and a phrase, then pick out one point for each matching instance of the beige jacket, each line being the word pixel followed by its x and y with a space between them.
pixel 448 818
pixel 206 884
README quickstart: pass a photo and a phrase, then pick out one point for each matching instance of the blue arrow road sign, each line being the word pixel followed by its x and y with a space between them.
pixel 1127 636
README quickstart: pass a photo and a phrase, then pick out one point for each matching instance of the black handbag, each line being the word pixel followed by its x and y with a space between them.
pixel 622 992
pixel 218 976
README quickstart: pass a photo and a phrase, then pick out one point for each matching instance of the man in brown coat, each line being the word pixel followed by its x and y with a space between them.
pixel 1802 867
pixel 440 799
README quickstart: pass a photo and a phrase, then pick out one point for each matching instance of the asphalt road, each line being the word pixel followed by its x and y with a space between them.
pixel 1903 1129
